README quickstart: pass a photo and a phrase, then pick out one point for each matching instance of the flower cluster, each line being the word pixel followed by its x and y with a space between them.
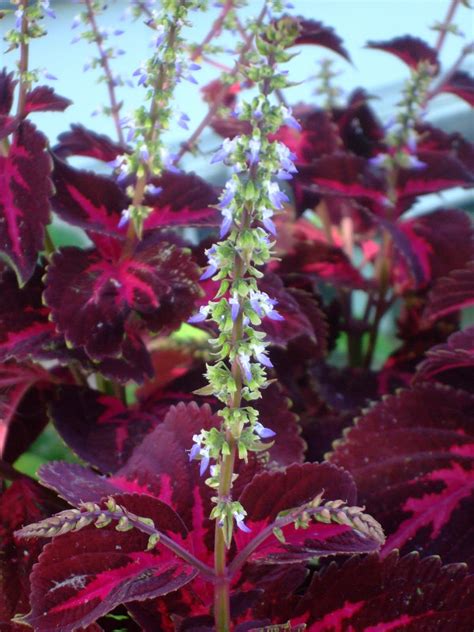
pixel 248 203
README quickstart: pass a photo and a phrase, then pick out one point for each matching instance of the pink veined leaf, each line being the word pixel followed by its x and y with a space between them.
pixel 372 594
pixel 25 188
pixel 91 298
pixel 185 199
pixel 412 458
pixel 440 172
pixel 460 84
pixel 345 175
pixel 451 293
pixel 22 408
pixel 433 139
pixel 317 34
pixel 271 493
pixel 80 141
pixel 82 576
pixel 456 353
pixel 7 89
pixel 45 99
pixel 88 200
pixel 23 502
pixel 411 50
pixel 24 326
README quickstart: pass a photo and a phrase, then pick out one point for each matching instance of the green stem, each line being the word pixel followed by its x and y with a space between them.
pixel 23 65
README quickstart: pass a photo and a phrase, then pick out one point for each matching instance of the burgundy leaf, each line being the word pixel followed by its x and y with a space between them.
pixel 368 594
pixel 8 124
pixel 433 139
pixel 317 34
pixel 86 199
pixel 44 99
pixel 270 493
pixel 411 50
pixel 461 84
pixel 360 130
pixel 184 200
pixel 24 326
pixel 23 502
pixel 99 428
pixel 22 407
pixel 24 205
pixel 449 235
pixel 7 89
pixel 457 352
pixel 84 142
pixel 411 456
pixel 82 576
pixel 346 175
pixel 91 297
pixel 440 172
pixel 451 293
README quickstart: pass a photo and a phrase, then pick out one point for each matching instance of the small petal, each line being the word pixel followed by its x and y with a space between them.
pixel 208 273
pixel 263 433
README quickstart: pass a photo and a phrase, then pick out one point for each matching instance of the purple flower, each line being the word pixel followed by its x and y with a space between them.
pixel 259 353
pixel 263 433
pixel 76 21
pixel 415 163
pixel 153 190
pixel 267 221
pixel 228 147
pixel 228 193
pixel 289 119
pixel 124 219
pixel 183 121
pixel 195 450
pixel 276 197
pixel 119 32
pixel 204 461
pixel 274 315
pixel 235 306
pixel 378 161
pixel 144 153
pixel 239 521
pixel 208 272
pixel 226 222
pixel 244 361
pixel 254 150
pixel 200 316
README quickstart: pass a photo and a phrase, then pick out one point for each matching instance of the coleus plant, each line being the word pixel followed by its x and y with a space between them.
pixel 214 504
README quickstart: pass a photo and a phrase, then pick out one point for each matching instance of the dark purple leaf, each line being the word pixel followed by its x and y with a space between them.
pixel 185 200
pixel 411 50
pixel 84 142
pixel 412 458
pixel 360 130
pixel 440 172
pixel 451 293
pixel 461 84
pixel 88 200
pixel 22 407
pixel 457 352
pixel 270 493
pixel 7 89
pixel 91 298
pixel 82 576
pixel 25 188
pixel 44 99
pixel 433 139
pixel 317 34
pixel 369 594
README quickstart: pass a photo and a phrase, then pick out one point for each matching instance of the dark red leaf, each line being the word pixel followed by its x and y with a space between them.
pixel 24 326
pixel 411 50
pixel 7 89
pixel 24 205
pixel 359 128
pixel 412 457
pixel 457 352
pixel 369 594
pixel 99 428
pixel 270 493
pixel 86 199
pixel 82 576
pixel 23 502
pixel 440 172
pixel 433 139
pixel 345 175
pixel 451 293
pixel 185 200
pixel 22 407
pixel 461 84
pixel 84 142
pixel 44 99
pixel 91 298
pixel 317 34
